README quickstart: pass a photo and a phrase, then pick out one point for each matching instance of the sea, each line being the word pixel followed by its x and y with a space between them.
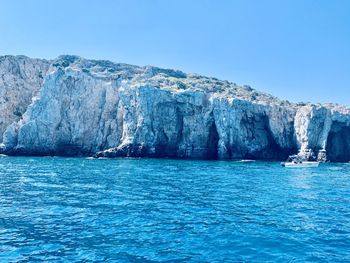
pixel 56 209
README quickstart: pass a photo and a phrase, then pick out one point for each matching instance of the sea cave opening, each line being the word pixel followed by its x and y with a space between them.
pixel 338 143
pixel 212 144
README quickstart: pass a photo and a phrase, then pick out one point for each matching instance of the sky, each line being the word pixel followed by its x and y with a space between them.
pixel 297 50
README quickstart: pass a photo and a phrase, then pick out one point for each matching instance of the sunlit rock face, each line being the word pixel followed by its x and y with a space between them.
pixel 20 80
pixel 72 106
pixel 323 130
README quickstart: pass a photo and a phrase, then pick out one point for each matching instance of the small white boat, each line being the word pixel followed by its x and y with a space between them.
pixel 296 161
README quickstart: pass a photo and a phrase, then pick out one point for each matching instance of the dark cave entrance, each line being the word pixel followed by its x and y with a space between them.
pixel 212 144
pixel 262 134
pixel 338 143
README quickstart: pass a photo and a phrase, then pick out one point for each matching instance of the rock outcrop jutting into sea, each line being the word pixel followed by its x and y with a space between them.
pixel 72 107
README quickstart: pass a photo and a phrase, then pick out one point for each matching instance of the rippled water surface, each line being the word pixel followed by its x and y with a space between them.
pixel 148 210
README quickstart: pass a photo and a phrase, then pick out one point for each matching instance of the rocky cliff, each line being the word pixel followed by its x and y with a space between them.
pixel 20 80
pixel 73 106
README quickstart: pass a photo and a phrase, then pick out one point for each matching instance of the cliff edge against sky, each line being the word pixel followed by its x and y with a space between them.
pixel 73 107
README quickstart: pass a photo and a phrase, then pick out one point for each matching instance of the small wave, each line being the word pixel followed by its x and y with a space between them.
pixel 335 168
pixel 245 161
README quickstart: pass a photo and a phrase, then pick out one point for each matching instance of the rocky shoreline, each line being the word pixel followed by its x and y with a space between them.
pixel 77 107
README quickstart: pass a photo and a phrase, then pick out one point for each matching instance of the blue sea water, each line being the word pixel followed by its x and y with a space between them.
pixel 159 210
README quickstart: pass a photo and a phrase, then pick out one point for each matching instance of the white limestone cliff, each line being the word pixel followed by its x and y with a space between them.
pixel 20 80
pixel 323 130
pixel 73 106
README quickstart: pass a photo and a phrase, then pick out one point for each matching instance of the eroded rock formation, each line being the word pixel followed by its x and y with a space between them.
pixel 73 106
pixel 323 132
pixel 20 80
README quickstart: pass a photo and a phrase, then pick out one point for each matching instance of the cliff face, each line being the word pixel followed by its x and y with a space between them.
pixel 73 106
pixel 324 131
pixel 20 80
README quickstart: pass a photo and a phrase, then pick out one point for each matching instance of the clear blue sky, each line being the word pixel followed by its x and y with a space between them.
pixel 297 49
